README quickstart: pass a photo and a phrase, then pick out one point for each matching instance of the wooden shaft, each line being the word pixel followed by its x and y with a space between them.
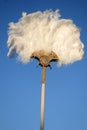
pixel 43 74
pixel 42 98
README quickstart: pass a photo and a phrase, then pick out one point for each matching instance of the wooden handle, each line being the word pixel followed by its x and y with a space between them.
pixel 43 75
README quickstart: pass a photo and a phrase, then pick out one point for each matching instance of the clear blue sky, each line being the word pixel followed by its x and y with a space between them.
pixel 20 85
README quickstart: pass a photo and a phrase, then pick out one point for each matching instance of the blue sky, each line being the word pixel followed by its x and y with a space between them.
pixel 20 85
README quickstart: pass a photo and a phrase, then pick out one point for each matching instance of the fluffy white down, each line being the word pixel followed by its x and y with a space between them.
pixel 45 31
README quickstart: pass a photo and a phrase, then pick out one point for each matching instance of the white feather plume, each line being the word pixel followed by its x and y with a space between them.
pixel 45 31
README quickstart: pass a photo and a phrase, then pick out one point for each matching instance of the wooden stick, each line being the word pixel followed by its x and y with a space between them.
pixel 42 98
